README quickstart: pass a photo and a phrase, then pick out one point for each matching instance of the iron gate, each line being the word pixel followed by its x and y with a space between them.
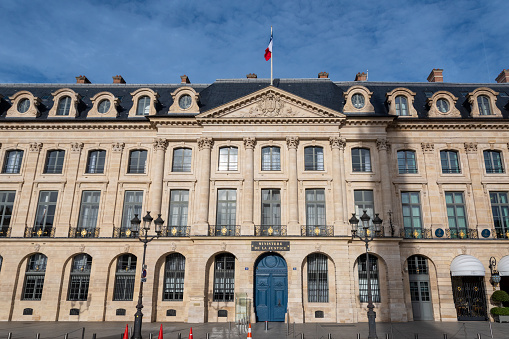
pixel 469 298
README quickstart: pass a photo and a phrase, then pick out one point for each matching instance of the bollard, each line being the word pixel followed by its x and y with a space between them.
pixel 416 336
pixel 329 336
pixel 66 336
pixel 387 336
pixel 302 336
pixel 9 336
pixel 94 336
pixel 478 336
pixel 179 336
pixel 150 335
pixel 266 325
pixel 207 336
pixel 445 335
pixel 38 336
pixel 358 336
pixel 82 334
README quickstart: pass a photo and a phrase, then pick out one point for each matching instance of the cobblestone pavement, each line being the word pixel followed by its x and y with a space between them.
pixel 114 330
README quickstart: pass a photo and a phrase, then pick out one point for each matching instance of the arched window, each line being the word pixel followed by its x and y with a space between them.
pixel 137 161
pixel 12 161
pixel 228 158
pixel 64 106
pixel 313 158
pixel 80 277
pixel 318 284
pixel 174 271
pixel 54 162
pixel 125 277
pixel 407 162
pixel 182 160
pixel 34 277
pixel 95 161
pixel 143 107
pixel 493 162
pixel 450 161
pixel 363 278
pixel 484 105
pixel 361 160
pixel 401 105
pixel 271 158
pixel 224 277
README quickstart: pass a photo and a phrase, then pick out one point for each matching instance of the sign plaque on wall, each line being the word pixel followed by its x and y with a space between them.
pixel 270 245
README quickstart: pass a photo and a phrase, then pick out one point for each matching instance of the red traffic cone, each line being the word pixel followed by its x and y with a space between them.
pixel 160 336
pixel 191 333
pixel 249 335
pixel 126 332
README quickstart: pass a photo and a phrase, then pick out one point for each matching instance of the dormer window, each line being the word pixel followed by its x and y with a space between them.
pixel 65 104
pixel 23 105
pixel 483 103
pixel 401 102
pixel 144 103
pixel 358 100
pixel 105 106
pixel 185 100
pixel 443 105
pixel 401 105
pixel 143 106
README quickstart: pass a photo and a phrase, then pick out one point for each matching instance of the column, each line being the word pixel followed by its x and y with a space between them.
pixel 480 218
pixel 108 226
pixel 248 223
pixel 293 189
pixel 156 186
pixel 339 227
pixel 384 148
pixel 202 205
pixel 342 147
pixel 20 220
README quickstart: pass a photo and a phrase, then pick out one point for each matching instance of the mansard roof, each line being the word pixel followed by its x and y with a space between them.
pixel 323 92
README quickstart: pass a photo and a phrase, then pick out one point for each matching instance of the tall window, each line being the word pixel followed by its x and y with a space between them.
pixel 456 214
pixel 12 162
pixel 34 277
pixel 224 277
pixel 226 207
pixel 174 271
pixel 412 222
pixel 315 207
pixel 95 161
pixel 318 285
pixel 271 158
pixel 179 201
pixel 6 204
pixel 373 277
pixel 228 157
pixel 125 277
pixel 54 162
pixel 80 277
pixel 484 105
pixel 364 201
pixel 271 207
pixel 137 161
pixel 45 216
pixel 143 107
pixel 361 160
pixel 64 106
pixel 182 160
pixel 449 161
pixel 89 211
pixel 407 162
pixel 132 205
pixel 313 158
pixel 493 162
pixel 500 210
pixel 1 261
pixel 401 105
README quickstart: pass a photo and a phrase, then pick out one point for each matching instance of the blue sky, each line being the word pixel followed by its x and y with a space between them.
pixel 157 41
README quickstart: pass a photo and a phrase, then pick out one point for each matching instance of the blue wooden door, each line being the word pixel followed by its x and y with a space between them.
pixel 271 288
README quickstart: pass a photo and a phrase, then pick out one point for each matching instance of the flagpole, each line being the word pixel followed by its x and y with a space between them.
pixel 271 58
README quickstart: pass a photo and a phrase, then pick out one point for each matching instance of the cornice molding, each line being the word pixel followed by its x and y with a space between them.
pixel 47 125
pixel 450 125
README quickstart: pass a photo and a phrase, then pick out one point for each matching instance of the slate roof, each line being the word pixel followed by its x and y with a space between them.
pixel 321 91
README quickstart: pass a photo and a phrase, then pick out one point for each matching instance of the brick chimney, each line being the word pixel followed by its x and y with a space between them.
pixel 361 77
pixel 117 79
pixel 323 75
pixel 503 77
pixel 82 80
pixel 436 75
pixel 251 76
pixel 184 79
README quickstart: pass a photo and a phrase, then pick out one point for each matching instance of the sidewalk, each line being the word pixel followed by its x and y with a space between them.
pixel 113 330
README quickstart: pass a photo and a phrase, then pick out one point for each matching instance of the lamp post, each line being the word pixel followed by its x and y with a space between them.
pixel 495 276
pixel 145 239
pixel 367 237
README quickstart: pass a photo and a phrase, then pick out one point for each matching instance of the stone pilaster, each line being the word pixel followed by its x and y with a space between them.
pixel 111 194
pixel 384 148
pixel 431 216
pixel 337 144
pixel 156 186
pixel 475 193
pixel 293 189
pixel 202 205
pixel 247 211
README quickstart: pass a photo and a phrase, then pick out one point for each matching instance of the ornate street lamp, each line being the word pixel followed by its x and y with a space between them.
pixel 495 276
pixel 145 239
pixel 367 237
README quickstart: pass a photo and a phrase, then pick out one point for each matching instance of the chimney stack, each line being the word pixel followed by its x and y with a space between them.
pixel 184 79
pixel 117 79
pixel 436 75
pixel 323 75
pixel 503 77
pixel 82 80
pixel 251 76
pixel 361 77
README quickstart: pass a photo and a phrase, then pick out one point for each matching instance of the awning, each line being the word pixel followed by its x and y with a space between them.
pixel 503 266
pixel 467 265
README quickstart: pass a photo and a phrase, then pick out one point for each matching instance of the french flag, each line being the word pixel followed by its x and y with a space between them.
pixel 268 51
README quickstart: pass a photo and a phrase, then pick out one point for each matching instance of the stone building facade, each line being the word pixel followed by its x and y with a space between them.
pixel 256 185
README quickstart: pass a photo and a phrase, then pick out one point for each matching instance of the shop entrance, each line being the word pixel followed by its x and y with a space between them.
pixel 271 288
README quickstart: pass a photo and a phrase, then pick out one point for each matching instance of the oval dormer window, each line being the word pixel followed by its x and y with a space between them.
pixel 23 105
pixel 104 106
pixel 358 100
pixel 185 101
pixel 443 105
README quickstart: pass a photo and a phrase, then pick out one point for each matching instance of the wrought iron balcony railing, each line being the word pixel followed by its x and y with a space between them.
pixel 76 232
pixel 416 233
pixel 224 230
pixel 500 234
pixel 270 230
pixel 462 233
pixel 317 230
pixel 361 232
pixel 39 232
pixel 5 232
pixel 120 232
pixel 175 231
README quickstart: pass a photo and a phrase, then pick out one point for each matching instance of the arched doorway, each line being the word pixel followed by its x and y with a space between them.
pixel 271 287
